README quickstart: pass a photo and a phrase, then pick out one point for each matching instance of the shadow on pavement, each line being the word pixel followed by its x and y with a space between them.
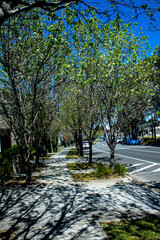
pixel 69 210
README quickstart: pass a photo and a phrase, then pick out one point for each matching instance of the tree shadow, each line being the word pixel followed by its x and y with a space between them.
pixel 67 210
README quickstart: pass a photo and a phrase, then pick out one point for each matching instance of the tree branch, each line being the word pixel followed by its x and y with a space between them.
pixel 11 8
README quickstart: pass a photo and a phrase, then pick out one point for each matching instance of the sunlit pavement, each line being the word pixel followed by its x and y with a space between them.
pixel 58 208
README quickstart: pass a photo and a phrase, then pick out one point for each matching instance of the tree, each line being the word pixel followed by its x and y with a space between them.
pixel 91 123
pixel 153 109
pixel 31 60
pixel 72 113
pixel 80 103
pixel 131 10
pixel 124 79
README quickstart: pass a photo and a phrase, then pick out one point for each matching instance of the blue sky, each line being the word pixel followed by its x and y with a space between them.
pixel 153 36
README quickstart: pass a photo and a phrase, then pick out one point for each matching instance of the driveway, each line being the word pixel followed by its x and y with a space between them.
pixel 58 208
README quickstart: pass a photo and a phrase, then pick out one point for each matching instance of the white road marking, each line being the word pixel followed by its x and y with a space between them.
pixel 141 169
pixel 148 173
pixel 132 148
pixel 137 159
pixel 156 170
pixel 143 150
pixel 138 164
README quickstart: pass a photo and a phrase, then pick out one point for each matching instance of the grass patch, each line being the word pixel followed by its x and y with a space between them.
pixel 102 171
pixel 143 229
pixel 73 154
pixel 6 234
pixel 81 166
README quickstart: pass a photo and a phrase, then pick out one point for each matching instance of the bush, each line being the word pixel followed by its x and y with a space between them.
pixel 103 171
pixel 148 141
pixel 120 169
pixel 5 168
pixel 6 161
pixel 10 152
pixel 152 142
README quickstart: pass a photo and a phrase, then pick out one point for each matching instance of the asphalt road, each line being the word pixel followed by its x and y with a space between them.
pixel 143 162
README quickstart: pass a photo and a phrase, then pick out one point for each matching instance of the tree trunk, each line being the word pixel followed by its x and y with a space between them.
pixel 112 151
pixel 37 158
pixel 51 145
pixel 28 172
pixel 90 152
pixel 77 143
pixel 80 142
pixel 154 132
pixel 26 158
pixel 37 153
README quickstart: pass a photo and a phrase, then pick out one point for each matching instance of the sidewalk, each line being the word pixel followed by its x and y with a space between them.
pixel 60 209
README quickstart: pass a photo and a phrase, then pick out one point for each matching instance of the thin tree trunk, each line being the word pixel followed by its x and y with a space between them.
pixel 154 132
pixel 37 157
pixel 77 143
pixel 26 157
pixel 28 172
pixel 112 151
pixel 51 145
pixel 90 152
pixel 37 152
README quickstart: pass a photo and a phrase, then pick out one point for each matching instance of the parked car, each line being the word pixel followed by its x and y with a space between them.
pixel 102 139
pixel 85 144
pixel 124 141
pixel 131 141
pixel 119 140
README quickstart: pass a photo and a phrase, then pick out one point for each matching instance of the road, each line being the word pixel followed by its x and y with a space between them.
pixel 143 161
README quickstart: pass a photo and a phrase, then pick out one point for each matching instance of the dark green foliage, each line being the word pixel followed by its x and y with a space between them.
pixel 5 168
pixel 151 142
pixel 10 152
pixel 103 171
pixel 120 169
pixel 6 161
pixel 55 145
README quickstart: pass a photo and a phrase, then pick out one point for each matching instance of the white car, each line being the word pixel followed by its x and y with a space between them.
pixel 119 140
pixel 85 144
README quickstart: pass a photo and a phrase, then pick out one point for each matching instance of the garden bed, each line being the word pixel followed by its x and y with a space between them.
pixel 142 229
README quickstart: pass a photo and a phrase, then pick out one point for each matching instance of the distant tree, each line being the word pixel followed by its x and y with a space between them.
pixel 72 114
pixel 153 109
pixel 91 123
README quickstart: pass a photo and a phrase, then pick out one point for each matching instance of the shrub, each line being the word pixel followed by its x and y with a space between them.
pixel 120 169
pixel 10 152
pixel 6 161
pixel 148 141
pixel 5 168
pixel 103 171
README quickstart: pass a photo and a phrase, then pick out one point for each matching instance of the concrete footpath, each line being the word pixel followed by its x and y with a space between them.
pixel 58 208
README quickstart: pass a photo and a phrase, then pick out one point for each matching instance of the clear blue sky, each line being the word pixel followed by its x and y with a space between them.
pixel 154 36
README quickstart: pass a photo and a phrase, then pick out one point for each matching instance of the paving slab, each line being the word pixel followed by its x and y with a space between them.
pixel 58 208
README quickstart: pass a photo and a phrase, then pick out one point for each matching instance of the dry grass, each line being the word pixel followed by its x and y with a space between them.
pixel 100 171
